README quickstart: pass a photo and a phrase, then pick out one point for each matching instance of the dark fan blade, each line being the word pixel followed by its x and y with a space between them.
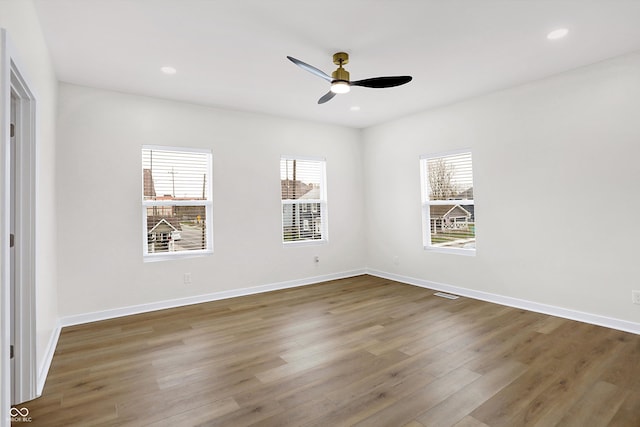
pixel 327 96
pixel 382 82
pixel 310 68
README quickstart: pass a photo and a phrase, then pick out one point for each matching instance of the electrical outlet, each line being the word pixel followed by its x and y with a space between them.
pixel 187 278
pixel 635 297
pixel 396 260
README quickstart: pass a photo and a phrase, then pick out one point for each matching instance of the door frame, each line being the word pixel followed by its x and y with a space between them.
pixel 12 81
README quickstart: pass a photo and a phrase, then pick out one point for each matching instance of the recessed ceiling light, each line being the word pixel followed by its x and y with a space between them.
pixel 168 70
pixel 354 108
pixel 557 34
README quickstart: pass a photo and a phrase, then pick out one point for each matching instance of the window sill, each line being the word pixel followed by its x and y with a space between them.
pixel 457 251
pixel 304 243
pixel 175 255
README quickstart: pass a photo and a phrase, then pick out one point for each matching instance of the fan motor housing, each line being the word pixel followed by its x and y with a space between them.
pixel 340 74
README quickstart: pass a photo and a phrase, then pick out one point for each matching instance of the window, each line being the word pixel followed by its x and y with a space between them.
pixel 176 202
pixel 448 210
pixel 303 185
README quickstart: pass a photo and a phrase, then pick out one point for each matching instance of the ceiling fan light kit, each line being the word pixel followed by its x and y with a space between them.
pixel 340 81
pixel 340 86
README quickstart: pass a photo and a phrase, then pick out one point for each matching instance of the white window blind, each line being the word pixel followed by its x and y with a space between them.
pixel 448 209
pixel 176 202
pixel 304 202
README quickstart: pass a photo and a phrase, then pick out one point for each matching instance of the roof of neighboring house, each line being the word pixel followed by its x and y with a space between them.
pixel 294 189
pixel 466 194
pixel 155 221
pixel 448 211
pixel 314 194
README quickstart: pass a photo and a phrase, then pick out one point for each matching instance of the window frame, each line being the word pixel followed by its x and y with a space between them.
pixel 310 204
pixel 427 203
pixel 208 205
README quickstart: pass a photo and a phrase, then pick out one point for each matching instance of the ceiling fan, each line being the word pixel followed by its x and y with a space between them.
pixel 339 79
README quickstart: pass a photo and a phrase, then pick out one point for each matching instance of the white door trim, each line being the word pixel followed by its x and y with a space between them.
pixel 12 79
pixel 26 372
pixel 5 158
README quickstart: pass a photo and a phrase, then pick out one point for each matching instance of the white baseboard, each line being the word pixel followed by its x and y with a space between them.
pixel 179 302
pixel 622 325
pixel 43 372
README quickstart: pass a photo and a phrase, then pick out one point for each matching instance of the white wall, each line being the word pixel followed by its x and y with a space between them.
pixel 19 18
pixel 100 135
pixel 556 186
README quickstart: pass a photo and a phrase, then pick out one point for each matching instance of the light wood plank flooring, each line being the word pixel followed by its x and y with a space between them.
pixel 361 351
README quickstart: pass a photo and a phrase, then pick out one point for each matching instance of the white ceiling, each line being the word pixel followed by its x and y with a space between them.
pixel 232 53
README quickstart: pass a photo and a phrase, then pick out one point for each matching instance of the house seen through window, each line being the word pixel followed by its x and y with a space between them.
pixel 304 202
pixel 177 202
pixel 448 209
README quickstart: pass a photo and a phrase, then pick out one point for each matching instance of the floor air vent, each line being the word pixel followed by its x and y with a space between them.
pixel 448 296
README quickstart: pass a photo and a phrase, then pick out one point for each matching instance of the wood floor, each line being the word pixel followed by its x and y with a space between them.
pixel 362 351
